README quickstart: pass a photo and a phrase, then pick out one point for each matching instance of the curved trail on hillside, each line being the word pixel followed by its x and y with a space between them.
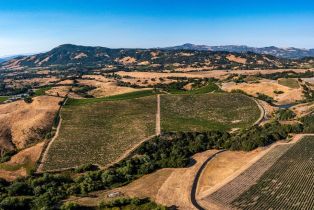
pixel 45 154
pixel 197 177
pixel 263 113
pixel 158 116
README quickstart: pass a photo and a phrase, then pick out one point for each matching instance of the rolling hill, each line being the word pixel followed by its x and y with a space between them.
pixel 66 56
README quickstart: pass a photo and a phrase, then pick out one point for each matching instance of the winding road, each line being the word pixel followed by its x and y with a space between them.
pixel 197 177
pixel 158 116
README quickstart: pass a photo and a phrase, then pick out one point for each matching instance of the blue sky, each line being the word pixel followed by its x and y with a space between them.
pixel 34 26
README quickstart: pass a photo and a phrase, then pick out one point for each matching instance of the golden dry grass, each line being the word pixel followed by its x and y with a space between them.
pixel 24 124
pixel 267 87
pixel 236 59
pixel 221 167
pixel 21 163
pixel 60 91
pixel 205 73
pixel 104 86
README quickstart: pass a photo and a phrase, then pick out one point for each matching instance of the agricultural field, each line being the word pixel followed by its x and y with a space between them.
pixel 288 184
pixel 289 82
pixel 218 111
pixel 226 195
pixel 100 133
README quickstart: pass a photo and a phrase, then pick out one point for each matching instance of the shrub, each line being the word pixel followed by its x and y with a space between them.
pixel 13 203
pixel 285 114
pixel 28 100
pixel 86 167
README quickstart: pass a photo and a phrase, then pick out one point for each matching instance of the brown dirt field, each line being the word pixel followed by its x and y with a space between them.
pixel 188 86
pixel 170 186
pixel 24 124
pixel 126 60
pixel 303 109
pixel 267 87
pixel 221 167
pixel 236 59
pixel 60 91
pixel 23 161
pixel 66 82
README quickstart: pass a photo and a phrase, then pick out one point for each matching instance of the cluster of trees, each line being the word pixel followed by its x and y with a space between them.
pixel 7 90
pixel 308 93
pixel 6 155
pixel 308 123
pixel 119 203
pixel 83 90
pixel 285 114
pixel 131 203
pixel 266 98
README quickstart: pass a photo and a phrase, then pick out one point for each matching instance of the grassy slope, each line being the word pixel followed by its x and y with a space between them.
pixel 101 132
pixel 288 184
pixel 210 87
pixel 41 91
pixel 289 82
pixel 218 111
pixel 3 98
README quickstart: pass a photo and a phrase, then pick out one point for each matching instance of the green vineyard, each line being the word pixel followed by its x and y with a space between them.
pixel 288 184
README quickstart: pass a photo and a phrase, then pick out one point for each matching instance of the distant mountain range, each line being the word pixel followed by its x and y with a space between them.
pixel 292 53
pixel 7 58
pixel 181 58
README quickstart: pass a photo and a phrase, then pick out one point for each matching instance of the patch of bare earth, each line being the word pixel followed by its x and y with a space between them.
pixel 126 60
pixel 21 162
pixel 23 124
pixel 267 87
pixel 65 82
pixel 236 59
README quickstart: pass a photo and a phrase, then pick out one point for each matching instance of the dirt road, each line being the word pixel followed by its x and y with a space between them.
pixel 158 116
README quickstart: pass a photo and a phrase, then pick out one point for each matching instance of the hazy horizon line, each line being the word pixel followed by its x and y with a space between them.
pixel 174 45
